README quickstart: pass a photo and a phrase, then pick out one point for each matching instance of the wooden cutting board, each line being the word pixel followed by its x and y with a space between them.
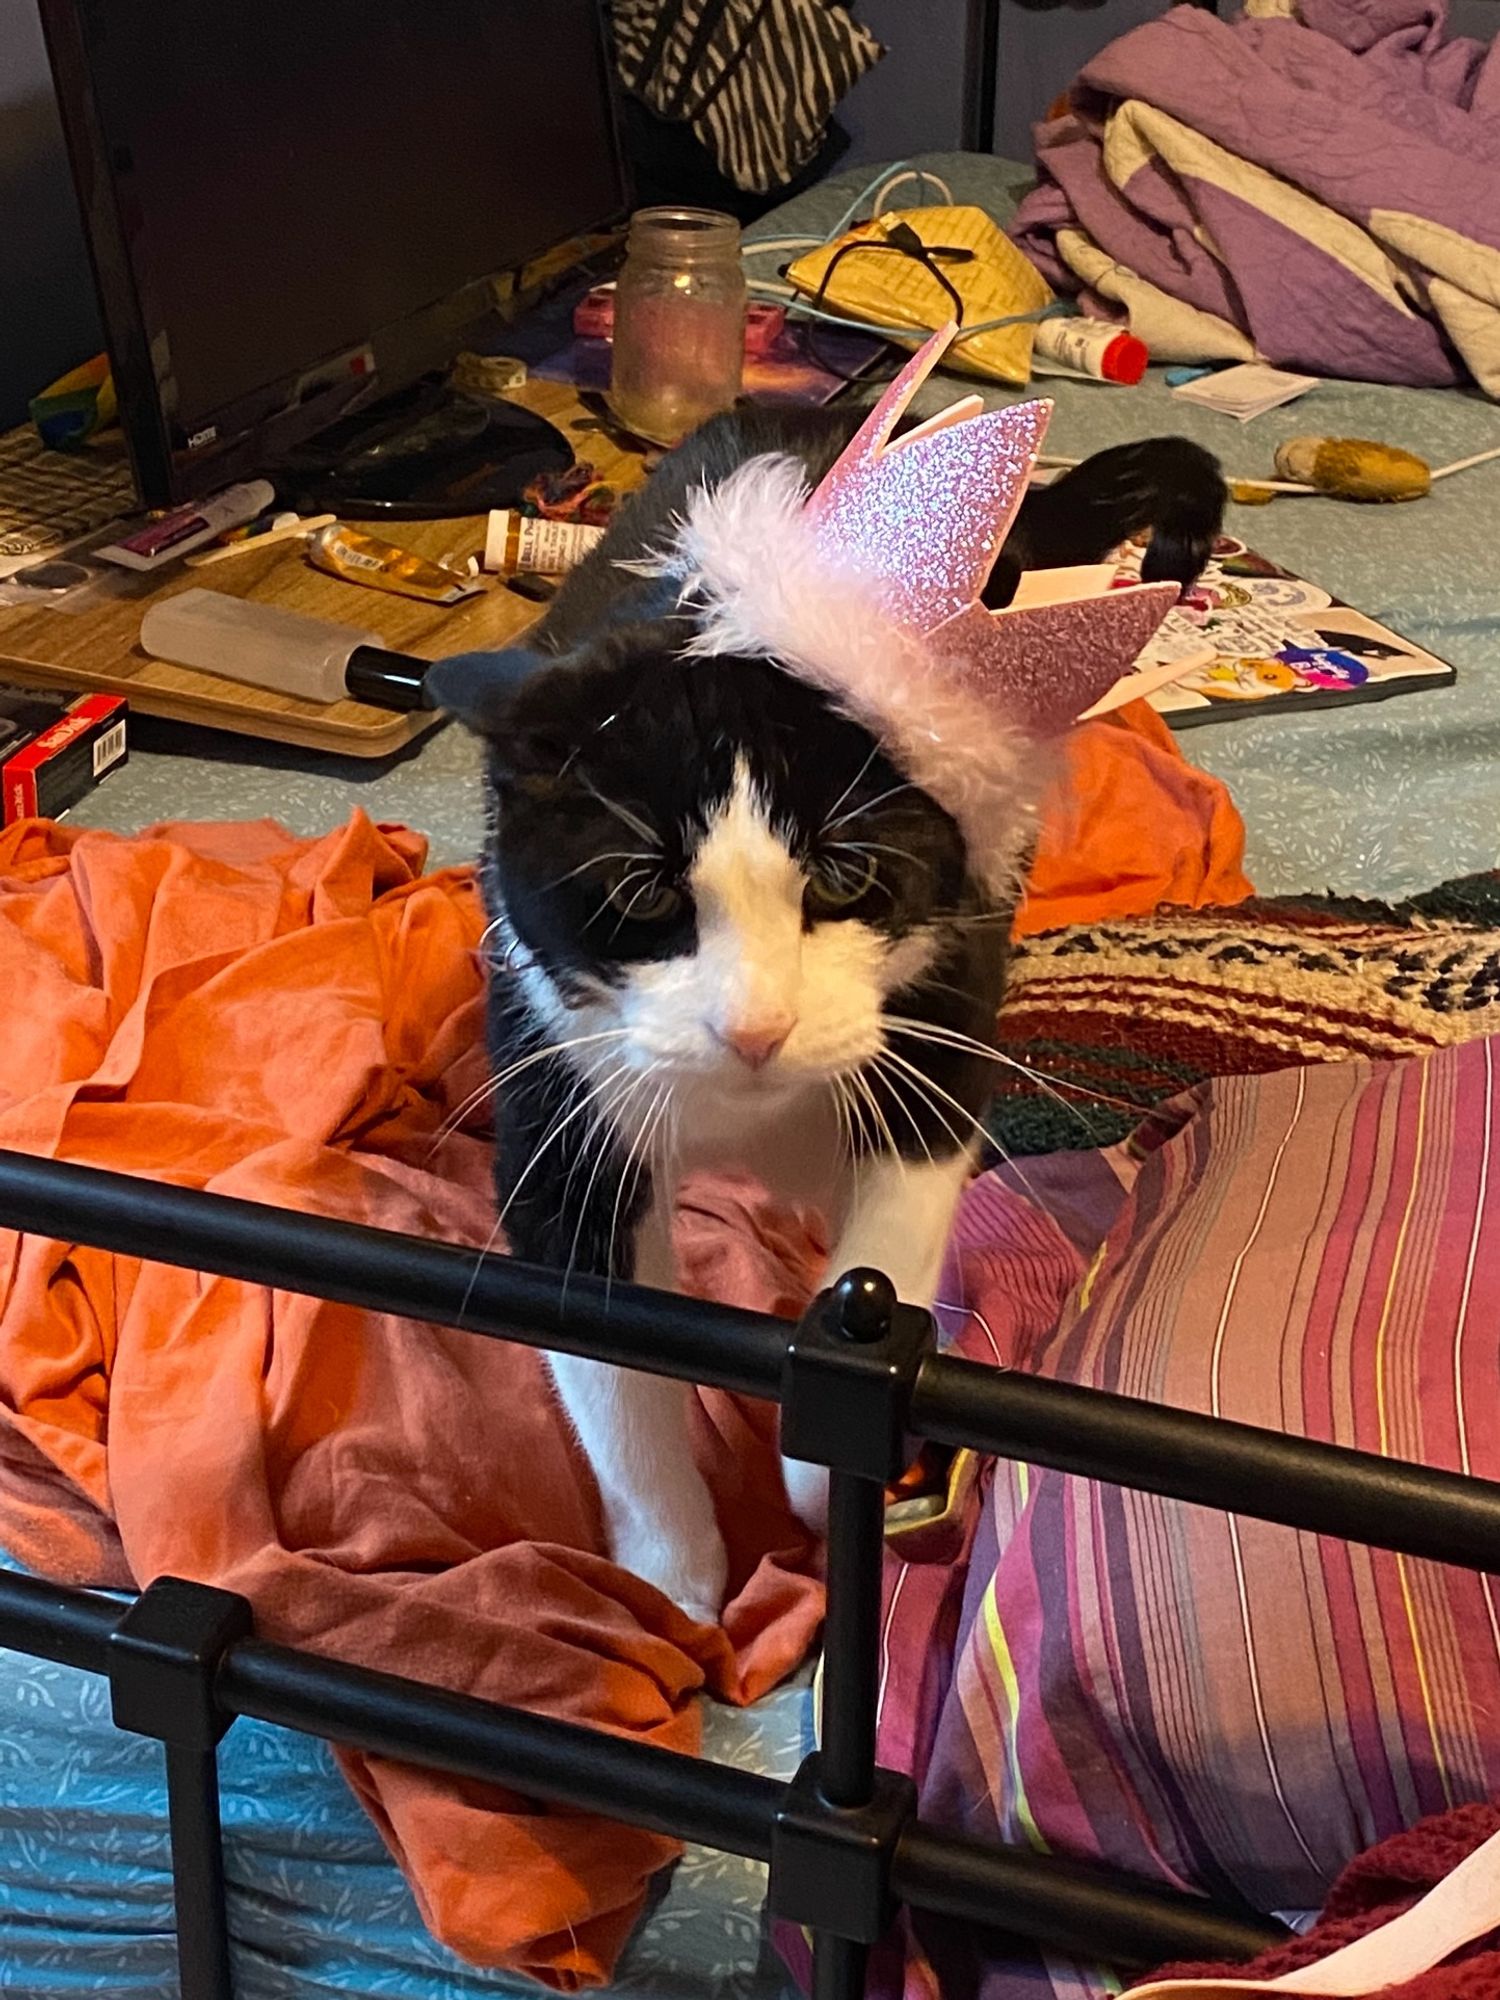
pixel 98 646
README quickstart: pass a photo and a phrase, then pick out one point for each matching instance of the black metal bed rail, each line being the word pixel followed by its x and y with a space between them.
pixel 1015 1892
pixel 858 1381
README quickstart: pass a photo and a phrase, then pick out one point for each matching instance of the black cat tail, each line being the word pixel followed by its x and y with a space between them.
pixel 1168 487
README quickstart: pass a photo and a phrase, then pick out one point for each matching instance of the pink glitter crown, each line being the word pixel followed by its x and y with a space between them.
pixel 922 520
pixel 869 590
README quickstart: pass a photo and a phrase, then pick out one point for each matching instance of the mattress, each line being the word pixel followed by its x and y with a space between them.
pixel 316 1905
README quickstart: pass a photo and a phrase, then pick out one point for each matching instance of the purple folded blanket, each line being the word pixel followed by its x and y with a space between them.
pixel 1322 191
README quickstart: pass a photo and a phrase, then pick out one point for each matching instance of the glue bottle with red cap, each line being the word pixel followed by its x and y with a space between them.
pixel 1091 347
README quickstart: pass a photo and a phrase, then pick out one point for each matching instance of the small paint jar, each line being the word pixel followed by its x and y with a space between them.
pixel 679 322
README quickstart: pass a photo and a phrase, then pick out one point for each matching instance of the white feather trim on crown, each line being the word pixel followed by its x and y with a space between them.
pixel 759 586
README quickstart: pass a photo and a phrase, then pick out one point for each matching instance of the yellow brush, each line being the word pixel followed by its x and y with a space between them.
pixel 1349 469
pixel 1354 468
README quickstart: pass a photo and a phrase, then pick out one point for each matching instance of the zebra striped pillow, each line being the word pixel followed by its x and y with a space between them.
pixel 757 80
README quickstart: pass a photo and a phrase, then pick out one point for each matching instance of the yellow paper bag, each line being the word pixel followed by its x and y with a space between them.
pixel 894 290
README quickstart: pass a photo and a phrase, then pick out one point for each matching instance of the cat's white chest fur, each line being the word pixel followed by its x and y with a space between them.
pixel 790 1143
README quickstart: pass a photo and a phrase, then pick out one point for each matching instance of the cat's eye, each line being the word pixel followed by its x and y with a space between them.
pixel 653 902
pixel 839 881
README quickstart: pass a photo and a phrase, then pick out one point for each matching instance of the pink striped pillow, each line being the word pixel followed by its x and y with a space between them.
pixel 1209 1701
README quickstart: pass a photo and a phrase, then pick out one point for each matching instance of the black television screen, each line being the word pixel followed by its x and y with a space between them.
pixel 290 204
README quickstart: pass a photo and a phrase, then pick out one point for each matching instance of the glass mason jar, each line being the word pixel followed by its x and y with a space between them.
pixel 679 333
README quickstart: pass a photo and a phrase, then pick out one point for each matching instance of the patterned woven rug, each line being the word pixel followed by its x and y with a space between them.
pixel 1111 1019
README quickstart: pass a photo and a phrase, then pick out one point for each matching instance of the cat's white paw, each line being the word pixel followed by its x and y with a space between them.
pixel 807 1489
pixel 693 1572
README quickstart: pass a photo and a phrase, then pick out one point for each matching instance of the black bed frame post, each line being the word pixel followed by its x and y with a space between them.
pixel 163 1657
pixel 850 1372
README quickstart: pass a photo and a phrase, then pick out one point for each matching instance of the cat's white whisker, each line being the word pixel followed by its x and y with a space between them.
pixel 479 1264
pixel 593 861
pixel 962 1044
pixel 608 1131
pixel 836 1090
pixel 625 816
pixel 895 1068
pixel 853 1121
pixel 1014 1165
pixel 1054 1086
pixel 581 1152
pixel 909 1024
pixel 578 1084
pixel 674 1142
pixel 630 1175
pixel 560 1124
pixel 864 1139
pixel 492 1085
pixel 935 1090
pixel 882 1124
pixel 859 1098
pixel 924 1083
pixel 575 1106
pixel 632 875
pixel 657 1132
pixel 456 1118
pixel 652 881
pixel 653 1132
pixel 911 1118
pixel 829 820
pixel 592 1153
pixel 903 855
pixel 866 805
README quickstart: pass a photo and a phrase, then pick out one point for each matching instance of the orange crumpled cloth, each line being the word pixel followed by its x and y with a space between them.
pixel 1129 824
pixel 226 1007
pixel 300 1022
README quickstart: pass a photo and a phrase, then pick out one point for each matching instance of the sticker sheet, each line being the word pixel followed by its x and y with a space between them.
pixel 1280 643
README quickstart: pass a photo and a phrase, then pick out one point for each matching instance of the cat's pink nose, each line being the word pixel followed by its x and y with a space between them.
pixel 755 1042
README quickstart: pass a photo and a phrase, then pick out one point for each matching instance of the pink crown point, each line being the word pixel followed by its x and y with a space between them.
pixel 874 433
pixel 926 515
pixel 1045 667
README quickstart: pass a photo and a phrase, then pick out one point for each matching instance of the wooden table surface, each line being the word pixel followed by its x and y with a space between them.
pixel 98 646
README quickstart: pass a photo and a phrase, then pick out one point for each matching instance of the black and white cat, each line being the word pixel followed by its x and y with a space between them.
pixel 731 930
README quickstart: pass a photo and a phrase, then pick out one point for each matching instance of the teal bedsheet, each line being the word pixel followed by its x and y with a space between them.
pixel 316 1905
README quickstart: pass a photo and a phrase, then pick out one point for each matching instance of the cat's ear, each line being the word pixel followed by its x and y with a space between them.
pixel 479 688
pixel 487 691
